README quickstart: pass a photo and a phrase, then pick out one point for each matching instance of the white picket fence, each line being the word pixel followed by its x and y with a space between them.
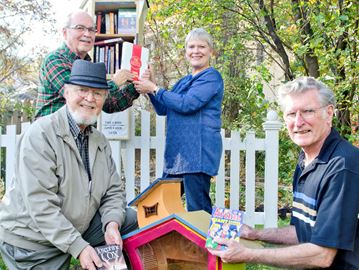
pixel 234 146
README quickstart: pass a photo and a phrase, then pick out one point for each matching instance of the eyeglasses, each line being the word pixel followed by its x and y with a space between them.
pixel 306 114
pixel 97 94
pixel 82 28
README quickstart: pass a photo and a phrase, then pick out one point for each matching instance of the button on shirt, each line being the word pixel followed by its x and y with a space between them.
pixel 82 141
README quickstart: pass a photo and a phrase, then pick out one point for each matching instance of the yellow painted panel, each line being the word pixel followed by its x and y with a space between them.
pixel 233 266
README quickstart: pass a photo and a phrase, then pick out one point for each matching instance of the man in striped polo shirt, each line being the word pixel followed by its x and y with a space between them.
pixel 324 230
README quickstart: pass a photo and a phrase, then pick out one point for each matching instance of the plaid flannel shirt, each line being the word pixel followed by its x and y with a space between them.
pixel 56 69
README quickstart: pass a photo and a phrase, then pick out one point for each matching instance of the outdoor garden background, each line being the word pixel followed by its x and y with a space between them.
pixel 259 44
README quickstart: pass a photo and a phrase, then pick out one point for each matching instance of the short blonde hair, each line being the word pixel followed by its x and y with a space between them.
pixel 201 34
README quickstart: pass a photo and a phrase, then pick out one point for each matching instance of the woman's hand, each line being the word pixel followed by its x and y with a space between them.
pixel 145 86
pixel 149 75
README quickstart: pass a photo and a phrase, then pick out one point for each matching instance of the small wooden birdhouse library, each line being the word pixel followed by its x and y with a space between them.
pixel 169 237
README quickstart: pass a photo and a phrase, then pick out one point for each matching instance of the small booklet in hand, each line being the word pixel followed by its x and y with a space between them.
pixel 112 257
pixel 224 223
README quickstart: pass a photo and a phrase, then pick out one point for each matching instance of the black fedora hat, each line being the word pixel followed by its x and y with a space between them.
pixel 86 73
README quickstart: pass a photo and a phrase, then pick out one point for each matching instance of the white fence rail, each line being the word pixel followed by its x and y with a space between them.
pixel 238 154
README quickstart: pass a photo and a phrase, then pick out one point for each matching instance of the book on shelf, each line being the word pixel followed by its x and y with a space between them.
pixel 134 58
pixel 98 21
pixel 126 21
pixel 224 223
pixel 111 60
pixel 112 23
pixel 115 23
pixel 107 23
pixel 118 56
pixel 108 52
pixel 112 257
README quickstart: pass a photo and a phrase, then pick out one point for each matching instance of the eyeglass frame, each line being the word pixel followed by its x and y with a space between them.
pixel 84 92
pixel 306 114
pixel 82 28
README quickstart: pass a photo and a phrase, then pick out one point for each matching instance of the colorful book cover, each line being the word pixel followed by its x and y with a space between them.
pixel 134 58
pixel 112 257
pixel 126 21
pixel 224 223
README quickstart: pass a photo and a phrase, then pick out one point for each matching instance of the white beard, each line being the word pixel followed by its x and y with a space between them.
pixel 82 121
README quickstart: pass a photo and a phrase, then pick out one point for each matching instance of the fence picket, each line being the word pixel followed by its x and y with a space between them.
pixel 235 170
pixel 145 149
pixel 124 156
pixel 220 179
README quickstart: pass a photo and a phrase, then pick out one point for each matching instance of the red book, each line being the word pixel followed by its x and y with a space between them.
pixel 98 21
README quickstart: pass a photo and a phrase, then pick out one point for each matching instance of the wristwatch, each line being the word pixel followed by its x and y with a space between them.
pixel 156 90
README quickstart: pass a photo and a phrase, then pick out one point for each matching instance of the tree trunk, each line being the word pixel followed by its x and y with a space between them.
pixel 279 48
pixel 306 33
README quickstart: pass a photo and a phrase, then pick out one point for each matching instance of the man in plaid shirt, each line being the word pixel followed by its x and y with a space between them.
pixel 79 37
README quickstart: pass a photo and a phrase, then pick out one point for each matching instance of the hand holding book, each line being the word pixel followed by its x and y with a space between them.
pixel 112 257
pixel 224 224
pixel 122 76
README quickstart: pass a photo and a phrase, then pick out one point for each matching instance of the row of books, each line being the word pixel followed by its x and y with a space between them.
pixel 121 22
pixel 110 54
pixel 117 54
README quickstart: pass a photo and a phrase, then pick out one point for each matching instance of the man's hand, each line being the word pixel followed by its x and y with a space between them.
pixel 248 232
pixel 234 251
pixel 89 258
pixel 112 234
pixel 305 255
pixel 121 76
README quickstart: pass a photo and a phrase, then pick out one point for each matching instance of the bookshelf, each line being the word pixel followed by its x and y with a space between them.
pixel 116 21
pixel 115 126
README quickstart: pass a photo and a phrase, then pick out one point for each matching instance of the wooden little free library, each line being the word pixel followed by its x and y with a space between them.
pixel 169 237
pixel 116 21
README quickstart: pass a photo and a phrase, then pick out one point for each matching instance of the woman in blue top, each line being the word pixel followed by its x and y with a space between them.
pixel 193 110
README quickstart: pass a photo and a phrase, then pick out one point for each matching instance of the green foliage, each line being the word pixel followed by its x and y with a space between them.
pixel 260 267
pixel 9 106
pixel 5 114
pixel 2 265
pixel 315 38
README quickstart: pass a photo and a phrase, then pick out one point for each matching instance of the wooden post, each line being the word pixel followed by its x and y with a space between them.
pixel 271 127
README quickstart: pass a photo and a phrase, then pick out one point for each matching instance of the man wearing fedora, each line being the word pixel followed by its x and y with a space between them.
pixel 66 196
